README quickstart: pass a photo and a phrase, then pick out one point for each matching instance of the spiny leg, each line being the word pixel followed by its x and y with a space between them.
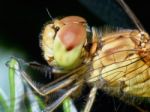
pixel 53 86
pixel 91 99
pixel 48 88
pixel 55 104
pixel 139 108
pixel 47 70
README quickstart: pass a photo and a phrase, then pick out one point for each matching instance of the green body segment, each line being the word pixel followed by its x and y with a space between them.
pixel 3 103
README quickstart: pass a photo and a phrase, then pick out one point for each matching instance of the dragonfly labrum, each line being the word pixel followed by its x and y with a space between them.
pixel 111 59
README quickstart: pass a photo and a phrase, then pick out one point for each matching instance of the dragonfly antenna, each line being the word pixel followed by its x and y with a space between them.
pixel 49 14
pixel 131 15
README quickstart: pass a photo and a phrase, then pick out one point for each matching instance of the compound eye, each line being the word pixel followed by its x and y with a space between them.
pixel 72 35
pixel 73 19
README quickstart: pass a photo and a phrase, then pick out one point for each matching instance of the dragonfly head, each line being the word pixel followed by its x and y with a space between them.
pixel 63 41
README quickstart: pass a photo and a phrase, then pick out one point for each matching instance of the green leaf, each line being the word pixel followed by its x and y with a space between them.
pixel 3 103
pixel 12 64
pixel 66 105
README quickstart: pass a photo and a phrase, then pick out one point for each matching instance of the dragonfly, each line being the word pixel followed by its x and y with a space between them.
pixel 113 60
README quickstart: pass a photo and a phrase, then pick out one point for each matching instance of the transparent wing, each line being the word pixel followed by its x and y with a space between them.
pixel 132 68
pixel 127 79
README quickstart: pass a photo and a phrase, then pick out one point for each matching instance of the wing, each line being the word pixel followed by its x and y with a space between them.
pixel 119 69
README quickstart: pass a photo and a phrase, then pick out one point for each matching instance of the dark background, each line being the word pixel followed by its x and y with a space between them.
pixel 21 22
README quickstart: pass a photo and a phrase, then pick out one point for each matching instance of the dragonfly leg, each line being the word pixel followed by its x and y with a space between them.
pixel 47 70
pixel 56 103
pixel 91 99
pixel 139 108
pixel 48 88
